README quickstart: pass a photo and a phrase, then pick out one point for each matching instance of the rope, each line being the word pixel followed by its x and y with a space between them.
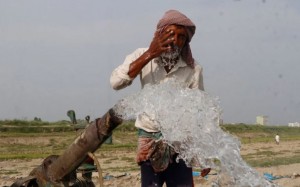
pixel 98 168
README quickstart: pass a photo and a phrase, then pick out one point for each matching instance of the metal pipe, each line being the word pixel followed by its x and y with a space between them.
pixel 90 140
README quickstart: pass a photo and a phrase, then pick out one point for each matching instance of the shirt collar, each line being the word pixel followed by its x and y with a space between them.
pixel 178 65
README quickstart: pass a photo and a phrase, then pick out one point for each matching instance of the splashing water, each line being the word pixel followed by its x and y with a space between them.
pixel 189 122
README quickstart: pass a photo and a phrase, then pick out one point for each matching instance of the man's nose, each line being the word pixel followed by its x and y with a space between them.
pixel 176 41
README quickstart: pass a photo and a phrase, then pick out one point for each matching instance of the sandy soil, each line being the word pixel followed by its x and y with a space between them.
pixel 14 169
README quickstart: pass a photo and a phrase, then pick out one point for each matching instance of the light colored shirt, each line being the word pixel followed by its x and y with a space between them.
pixel 153 73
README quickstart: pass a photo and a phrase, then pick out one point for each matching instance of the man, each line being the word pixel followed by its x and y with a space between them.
pixel 277 138
pixel 169 55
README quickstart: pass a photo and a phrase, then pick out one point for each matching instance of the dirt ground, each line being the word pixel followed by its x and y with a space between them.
pixel 130 177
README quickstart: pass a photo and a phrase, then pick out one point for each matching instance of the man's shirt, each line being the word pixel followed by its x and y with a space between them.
pixel 153 73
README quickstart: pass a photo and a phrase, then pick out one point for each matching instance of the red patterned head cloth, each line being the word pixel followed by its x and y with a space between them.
pixel 174 17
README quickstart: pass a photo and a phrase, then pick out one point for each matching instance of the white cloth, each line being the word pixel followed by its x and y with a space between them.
pixel 153 73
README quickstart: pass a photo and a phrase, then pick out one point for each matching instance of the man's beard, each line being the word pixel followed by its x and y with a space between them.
pixel 170 58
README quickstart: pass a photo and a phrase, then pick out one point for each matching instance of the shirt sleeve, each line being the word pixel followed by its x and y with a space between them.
pixel 119 78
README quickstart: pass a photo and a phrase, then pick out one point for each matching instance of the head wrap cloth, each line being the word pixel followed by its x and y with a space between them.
pixel 174 17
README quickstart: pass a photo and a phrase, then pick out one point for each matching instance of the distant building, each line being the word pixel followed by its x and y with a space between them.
pixel 296 124
pixel 261 120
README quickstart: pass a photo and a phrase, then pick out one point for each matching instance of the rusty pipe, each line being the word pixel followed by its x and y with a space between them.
pixel 89 141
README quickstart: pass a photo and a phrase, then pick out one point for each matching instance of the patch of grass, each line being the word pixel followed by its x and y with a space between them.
pixel 111 147
pixel 127 159
pixel 26 126
pixel 298 151
pixel 8 172
pixel 107 162
pixel 266 153
pixel 287 151
pixel 248 133
pixel 260 154
pixel 124 169
pixel 102 155
pixel 46 144
pixel 113 159
pixel 126 126
pixel 274 161
pixel 266 148
pixel 23 156
pixel 40 134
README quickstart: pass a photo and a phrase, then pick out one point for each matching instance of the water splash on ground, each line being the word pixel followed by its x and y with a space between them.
pixel 189 121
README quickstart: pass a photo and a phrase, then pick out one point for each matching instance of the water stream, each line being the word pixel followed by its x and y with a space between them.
pixel 189 122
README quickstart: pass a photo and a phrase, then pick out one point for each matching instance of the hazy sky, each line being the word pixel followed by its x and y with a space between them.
pixel 58 55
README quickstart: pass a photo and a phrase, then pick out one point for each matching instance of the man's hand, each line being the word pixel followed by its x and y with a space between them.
pixel 162 42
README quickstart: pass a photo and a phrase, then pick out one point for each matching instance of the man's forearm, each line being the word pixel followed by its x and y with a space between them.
pixel 137 65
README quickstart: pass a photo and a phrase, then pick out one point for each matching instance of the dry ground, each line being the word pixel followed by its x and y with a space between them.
pixel 121 162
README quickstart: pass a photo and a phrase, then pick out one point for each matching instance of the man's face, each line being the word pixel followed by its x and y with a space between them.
pixel 179 35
